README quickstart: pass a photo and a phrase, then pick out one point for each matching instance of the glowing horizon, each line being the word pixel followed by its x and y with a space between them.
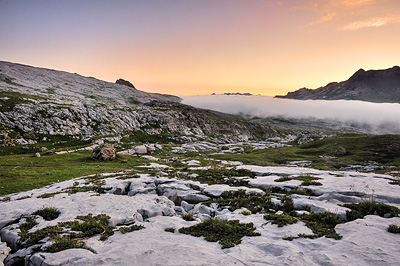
pixel 201 47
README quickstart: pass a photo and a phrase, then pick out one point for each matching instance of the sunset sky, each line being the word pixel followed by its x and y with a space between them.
pixel 188 47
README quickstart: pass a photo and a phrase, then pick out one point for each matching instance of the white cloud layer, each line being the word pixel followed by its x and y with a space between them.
pixel 381 117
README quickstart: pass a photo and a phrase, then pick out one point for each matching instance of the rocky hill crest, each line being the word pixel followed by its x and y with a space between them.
pixel 371 86
pixel 45 101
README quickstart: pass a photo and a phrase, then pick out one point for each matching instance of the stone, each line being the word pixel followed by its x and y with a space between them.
pixel 120 189
pixel 216 190
pixel 200 209
pixel 186 206
pixel 141 149
pixel 104 152
pixel 138 217
pixel 340 151
pixel 195 198
pixel 4 251
pixel 176 199
pixel 10 237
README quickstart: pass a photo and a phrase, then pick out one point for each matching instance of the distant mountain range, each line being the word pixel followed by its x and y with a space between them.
pixel 371 86
pixel 234 94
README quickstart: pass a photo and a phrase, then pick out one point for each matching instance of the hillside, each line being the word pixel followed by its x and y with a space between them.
pixel 371 86
pixel 50 102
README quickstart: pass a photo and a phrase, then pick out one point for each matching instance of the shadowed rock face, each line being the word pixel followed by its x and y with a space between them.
pixel 125 82
pixel 371 86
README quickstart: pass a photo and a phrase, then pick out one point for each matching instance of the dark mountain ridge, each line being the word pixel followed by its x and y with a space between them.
pixel 371 86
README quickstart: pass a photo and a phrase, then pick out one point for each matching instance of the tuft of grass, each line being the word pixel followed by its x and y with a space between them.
pixel 30 239
pixel 90 226
pixel 82 227
pixel 63 243
pixel 283 179
pixel 24 197
pixel 280 219
pixel 307 180
pixel 30 222
pixel 239 199
pixel 359 210
pixel 170 229
pixel 322 224
pixel 127 229
pixel 48 213
pixel 311 183
pixel 395 229
pixel 188 217
pixel 222 175
pixel 227 232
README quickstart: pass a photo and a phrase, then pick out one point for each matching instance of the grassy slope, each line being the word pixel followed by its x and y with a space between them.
pixel 24 172
pixel 384 149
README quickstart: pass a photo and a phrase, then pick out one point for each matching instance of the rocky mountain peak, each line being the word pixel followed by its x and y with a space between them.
pixel 372 85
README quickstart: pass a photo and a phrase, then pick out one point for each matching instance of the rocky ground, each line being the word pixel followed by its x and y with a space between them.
pixel 159 199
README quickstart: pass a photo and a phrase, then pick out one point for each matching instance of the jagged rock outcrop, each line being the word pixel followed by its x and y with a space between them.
pixel 52 102
pixel 371 86
pixel 125 82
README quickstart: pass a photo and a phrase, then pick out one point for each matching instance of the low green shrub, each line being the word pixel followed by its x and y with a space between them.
pixel 322 224
pixel 239 199
pixel 359 210
pixel 127 229
pixel 310 183
pixel 48 213
pixel 227 232
pixel 90 226
pixel 170 229
pixel 395 229
pixel 63 243
pixel 188 217
pixel 280 219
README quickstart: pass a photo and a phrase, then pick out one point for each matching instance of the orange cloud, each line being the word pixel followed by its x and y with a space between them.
pixel 371 23
pixel 354 3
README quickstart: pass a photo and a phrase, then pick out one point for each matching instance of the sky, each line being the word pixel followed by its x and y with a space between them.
pixel 191 47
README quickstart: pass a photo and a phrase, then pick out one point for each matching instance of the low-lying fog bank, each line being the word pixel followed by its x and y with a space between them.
pixel 378 118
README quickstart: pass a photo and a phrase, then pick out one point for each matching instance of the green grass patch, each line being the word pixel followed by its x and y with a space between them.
pixel 221 175
pixel 227 232
pixel 359 210
pixel 63 243
pixel 188 217
pixel 170 229
pixel 48 213
pixel 239 199
pixel 322 224
pixel 127 229
pixel 307 180
pixel 90 225
pixel 361 149
pixel 280 219
pixel 15 98
pixel 83 227
pixel 24 172
pixel 393 228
